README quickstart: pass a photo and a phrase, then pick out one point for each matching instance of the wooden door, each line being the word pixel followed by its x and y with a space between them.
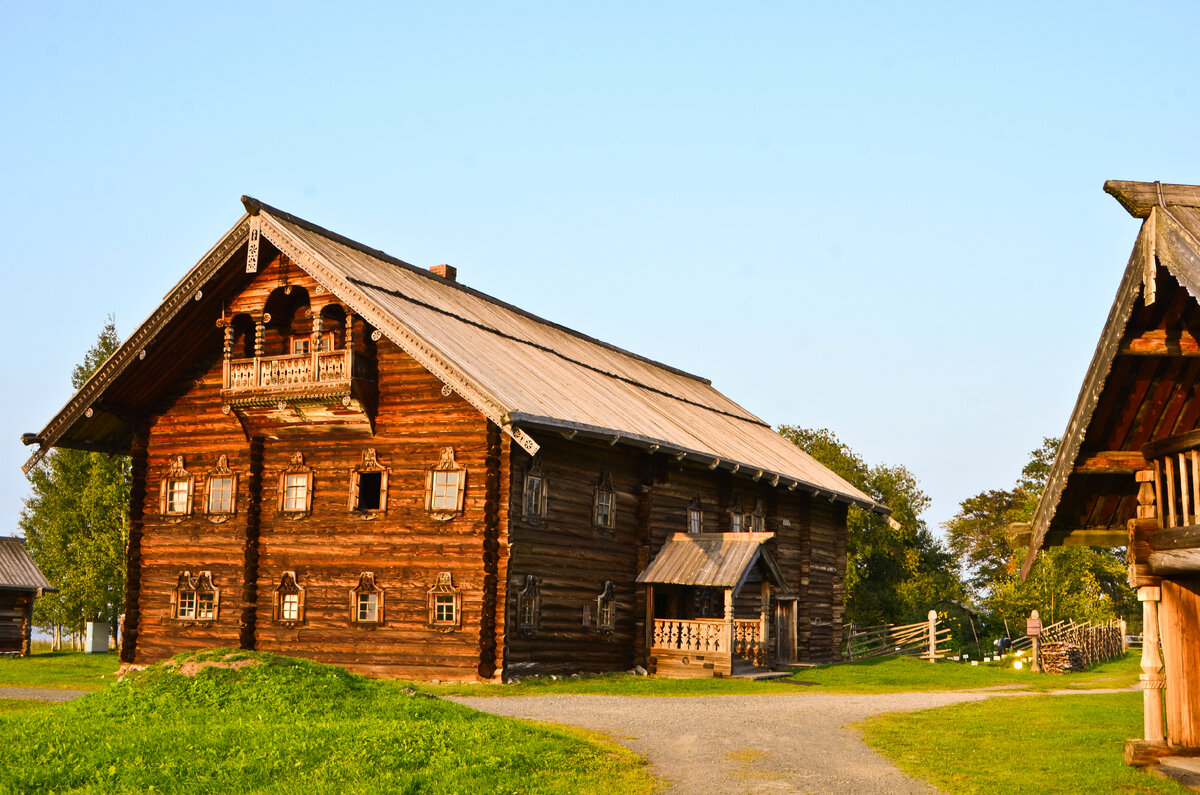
pixel 785 631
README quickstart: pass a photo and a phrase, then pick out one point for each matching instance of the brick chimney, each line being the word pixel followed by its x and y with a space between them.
pixel 446 272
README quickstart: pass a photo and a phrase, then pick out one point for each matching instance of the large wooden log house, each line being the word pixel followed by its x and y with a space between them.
pixel 1128 469
pixel 340 456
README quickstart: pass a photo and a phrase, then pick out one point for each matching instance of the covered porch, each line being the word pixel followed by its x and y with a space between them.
pixel 710 602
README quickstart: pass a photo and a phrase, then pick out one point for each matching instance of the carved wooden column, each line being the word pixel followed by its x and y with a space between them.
pixel 764 611
pixel 1153 681
pixel 729 620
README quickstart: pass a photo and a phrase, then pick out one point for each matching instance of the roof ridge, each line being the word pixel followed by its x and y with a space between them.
pixel 254 207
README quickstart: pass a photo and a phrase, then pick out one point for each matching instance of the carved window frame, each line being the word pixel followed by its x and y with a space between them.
pixel 366 586
pixel 534 496
pixel 605 523
pixel 606 609
pixel 297 469
pixel 444 512
pixel 219 472
pixel 694 516
pixel 441 594
pixel 288 586
pixel 176 474
pixel 758 519
pixel 529 606
pixel 370 463
pixel 737 517
pixel 188 595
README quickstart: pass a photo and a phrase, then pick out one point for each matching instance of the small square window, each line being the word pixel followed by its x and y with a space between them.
pixel 443 608
pixel 289 608
pixel 220 494
pixel 445 604
pixel 186 605
pixel 445 491
pixel 368 607
pixel 177 495
pixel 295 492
pixel 370 491
pixel 205 604
pixel 300 347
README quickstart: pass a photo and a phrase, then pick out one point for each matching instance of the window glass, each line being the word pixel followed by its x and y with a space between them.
pixel 300 346
pixel 735 522
pixel 295 492
pixel 205 601
pixel 290 609
pixel 533 495
pixel 695 520
pixel 443 608
pixel 604 508
pixel 177 494
pixel 220 494
pixel 368 607
pixel 186 605
pixel 445 490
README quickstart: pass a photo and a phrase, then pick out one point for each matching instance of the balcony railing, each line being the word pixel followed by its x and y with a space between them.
pixel 288 371
pixel 1176 463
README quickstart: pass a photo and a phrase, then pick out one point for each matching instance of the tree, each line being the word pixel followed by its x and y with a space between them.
pixel 896 569
pixel 75 522
pixel 1079 583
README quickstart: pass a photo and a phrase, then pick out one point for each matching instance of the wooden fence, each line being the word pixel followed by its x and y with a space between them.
pixel 908 640
pixel 1069 646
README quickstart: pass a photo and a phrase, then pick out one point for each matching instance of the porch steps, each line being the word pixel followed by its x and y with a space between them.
pixel 745 670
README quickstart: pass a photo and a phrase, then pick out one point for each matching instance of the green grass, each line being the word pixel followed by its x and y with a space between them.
pixel 286 725
pixel 61 669
pixel 881 675
pixel 1044 744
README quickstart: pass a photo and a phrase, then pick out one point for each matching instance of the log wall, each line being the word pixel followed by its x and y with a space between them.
pixel 331 547
pixel 16 617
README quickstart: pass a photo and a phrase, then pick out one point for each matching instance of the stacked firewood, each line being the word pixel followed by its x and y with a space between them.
pixel 1061 657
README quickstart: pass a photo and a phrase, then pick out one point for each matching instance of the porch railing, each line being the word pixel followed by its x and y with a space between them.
pixel 288 371
pixel 747 640
pixel 702 634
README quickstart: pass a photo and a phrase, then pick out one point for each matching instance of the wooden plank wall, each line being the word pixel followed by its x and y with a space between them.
pixel 329 549
pixel 16 611
pixel 572 559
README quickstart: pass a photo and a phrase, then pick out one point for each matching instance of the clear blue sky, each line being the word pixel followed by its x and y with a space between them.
pixel 884 219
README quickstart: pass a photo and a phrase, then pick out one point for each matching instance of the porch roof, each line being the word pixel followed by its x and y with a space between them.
pixel 722 560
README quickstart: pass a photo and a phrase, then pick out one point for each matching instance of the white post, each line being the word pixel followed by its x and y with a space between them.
pixel 932 636
pixel 1153 681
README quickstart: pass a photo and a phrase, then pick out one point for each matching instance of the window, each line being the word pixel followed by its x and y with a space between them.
pixel 195 598
pixel 366 601
pixel 295 488
pixel 176 490
pixel 445 484
pixel 737 520
pixel 605 506
pixel 289 600
pixel 695 517
pixel 758 519
pixel 220 491
pixel 368 485
pixel 529 606
pixel 535 491
pixel 445 604
pixel 606 608
pixel 300 346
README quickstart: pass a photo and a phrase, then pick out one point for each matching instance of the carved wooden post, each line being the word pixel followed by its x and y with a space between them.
pixel 729 620
pixel 1153 681
pixel 764 624
pixel 227 352
pixel 932 636
pixel 315 345
pixel 260 330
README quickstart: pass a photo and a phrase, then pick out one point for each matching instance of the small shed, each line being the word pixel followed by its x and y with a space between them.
pixel 21 582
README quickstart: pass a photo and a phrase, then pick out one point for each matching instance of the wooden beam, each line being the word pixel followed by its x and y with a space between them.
pixel 1019 534
pixel 1111 462
pixel 1161 342
pixel 1171 538
pixel 1139 197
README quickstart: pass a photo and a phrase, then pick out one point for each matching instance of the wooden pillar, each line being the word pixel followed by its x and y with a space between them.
pixel 1153 681
pixel 492 616
pixel 1179 626
pixel 249 617
pixel 729 620
pixel 763 612
pixel 27 621
pixel 932 636
pixel 649 633
pixel 133 547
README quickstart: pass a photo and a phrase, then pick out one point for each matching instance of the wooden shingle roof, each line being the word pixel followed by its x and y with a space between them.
pixel 717 560
pixel 1144 379
pixel 528 375
pixel 18 572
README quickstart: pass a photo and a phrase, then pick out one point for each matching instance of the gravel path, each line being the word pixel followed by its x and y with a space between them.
pixel 41 693
pixel 743 744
